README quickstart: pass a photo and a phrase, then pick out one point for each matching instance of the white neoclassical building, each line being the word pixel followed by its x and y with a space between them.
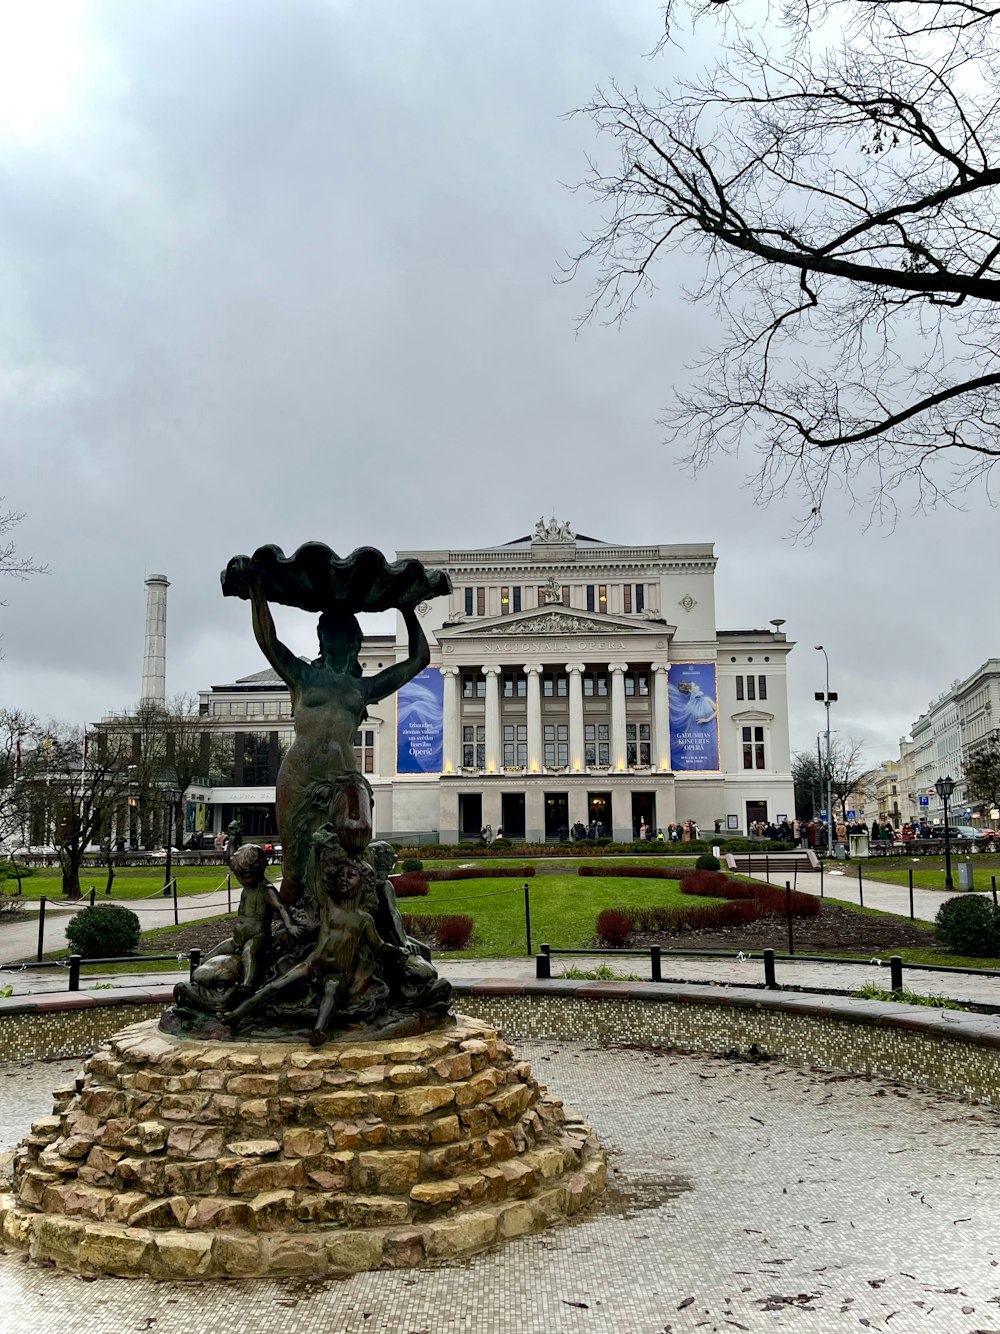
pixel 572 681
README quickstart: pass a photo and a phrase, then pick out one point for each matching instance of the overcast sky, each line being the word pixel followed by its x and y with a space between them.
pixel 272 272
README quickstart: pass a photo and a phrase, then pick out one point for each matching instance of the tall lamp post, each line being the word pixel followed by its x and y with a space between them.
pixel 170 829
pixel 828 698
pixel 945 787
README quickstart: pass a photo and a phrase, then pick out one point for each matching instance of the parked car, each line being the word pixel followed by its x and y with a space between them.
pixel 955 831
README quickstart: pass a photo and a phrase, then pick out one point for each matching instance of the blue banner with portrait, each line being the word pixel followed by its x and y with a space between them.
pixel 420 724
pixel 694 717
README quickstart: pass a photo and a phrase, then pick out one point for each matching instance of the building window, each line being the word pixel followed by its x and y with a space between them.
pixel 516 598
pixel 480 601
pixel 627 598
pixel 739 687
pixel 555 685
pixel 541 595
pixel 753 748
pixel 468 601
pixel 556 745
pixel 640 597
pixel 636 683
pixel 762 687
pixel 364 750
pixel 256 770
pixel 505 601
pixel 514 684
pixel 596 744
pixel 591 595
pixel 474 746
pixel 515 745
pixel 637 744
pixel 602 597
pixel 565 595
pixel 751 687
pixel 473 686
pixel 595 683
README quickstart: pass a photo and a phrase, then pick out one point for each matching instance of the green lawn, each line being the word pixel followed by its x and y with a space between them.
pixel 930 953
pixel 674 863
pixel 564 909
pixel 928 872
pixel 132 882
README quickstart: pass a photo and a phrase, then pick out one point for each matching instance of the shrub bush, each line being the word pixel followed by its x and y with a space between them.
pixel 614 928
pixel 637 872
pixel 411 864
pixel 969 924
pixel 500 844
pixel 11 906
pixel 707 862
pixel 106 931
pixel 454 932
pixel 410 885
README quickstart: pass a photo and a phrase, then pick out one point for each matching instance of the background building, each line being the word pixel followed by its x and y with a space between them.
pixel 956 721
pixel 572 681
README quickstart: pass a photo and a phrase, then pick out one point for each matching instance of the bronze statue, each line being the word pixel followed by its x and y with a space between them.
pixel 330 954
pixel 329 702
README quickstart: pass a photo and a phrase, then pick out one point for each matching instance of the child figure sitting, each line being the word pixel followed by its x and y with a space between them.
pixel 344 960
pixel 258 905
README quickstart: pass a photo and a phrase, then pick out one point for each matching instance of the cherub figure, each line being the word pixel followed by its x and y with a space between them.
pixel 344 960
pixel 413 979
pixel 259 903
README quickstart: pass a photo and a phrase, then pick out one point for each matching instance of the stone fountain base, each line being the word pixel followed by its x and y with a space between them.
pixel 180 1158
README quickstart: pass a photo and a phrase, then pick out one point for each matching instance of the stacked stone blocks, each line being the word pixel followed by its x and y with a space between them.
pixel 185 1159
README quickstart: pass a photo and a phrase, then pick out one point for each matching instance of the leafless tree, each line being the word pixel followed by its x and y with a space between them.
pixel 169 746
pixel 19 738
pixel 836 173
pixel 11 561
pixel 82 785
pixel 848 771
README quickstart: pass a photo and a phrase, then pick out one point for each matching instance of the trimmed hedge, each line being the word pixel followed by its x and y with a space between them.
pixel 636 872
pixel 410 885
pixel 106 931
pixel 480 873
pixel 746 903
pixel 449 931
pixel 598 848
pixel 969 924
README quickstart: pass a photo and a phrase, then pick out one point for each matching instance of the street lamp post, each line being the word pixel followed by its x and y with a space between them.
pixel 945 787
pixel 828 698
pixel 170 825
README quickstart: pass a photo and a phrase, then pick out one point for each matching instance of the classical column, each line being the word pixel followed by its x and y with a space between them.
pixel 534 675
pixel 493 751
pixel 617 672
pixel 661 718
pixel 575 673
pixel 452 740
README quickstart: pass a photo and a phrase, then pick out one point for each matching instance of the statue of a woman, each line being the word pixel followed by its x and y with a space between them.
pixel 318 780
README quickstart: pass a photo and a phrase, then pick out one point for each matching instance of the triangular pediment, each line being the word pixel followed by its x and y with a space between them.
pixel 550 621
pixel 752 716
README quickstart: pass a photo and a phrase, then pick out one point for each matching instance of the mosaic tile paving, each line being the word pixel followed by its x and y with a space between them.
pixel 772 1197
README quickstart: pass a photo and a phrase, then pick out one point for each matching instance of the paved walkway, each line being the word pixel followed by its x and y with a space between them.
pixel 761 1198
pixel 19 940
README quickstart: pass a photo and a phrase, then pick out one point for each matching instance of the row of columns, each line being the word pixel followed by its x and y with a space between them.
pixel 660 731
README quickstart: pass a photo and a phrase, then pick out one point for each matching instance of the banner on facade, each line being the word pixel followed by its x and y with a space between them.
pixel 420 724
pixel 694 717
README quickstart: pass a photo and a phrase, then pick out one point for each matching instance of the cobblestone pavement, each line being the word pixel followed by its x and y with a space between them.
pixel 745 970
pixel 744 1197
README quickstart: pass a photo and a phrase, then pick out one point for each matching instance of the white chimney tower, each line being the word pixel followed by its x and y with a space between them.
pixel 154 662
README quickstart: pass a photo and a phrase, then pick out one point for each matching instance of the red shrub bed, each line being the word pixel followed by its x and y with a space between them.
pixel 449 931
pixel 479 873
pixel 409 885
pixel 770 900
pixel 454 932
pixel 613 927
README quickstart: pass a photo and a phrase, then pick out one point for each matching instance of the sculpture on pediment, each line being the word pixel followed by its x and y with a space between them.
pixel 552 530
pixel 553 591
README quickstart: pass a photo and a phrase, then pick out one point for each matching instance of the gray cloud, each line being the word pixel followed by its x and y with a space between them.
pixel 286 272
